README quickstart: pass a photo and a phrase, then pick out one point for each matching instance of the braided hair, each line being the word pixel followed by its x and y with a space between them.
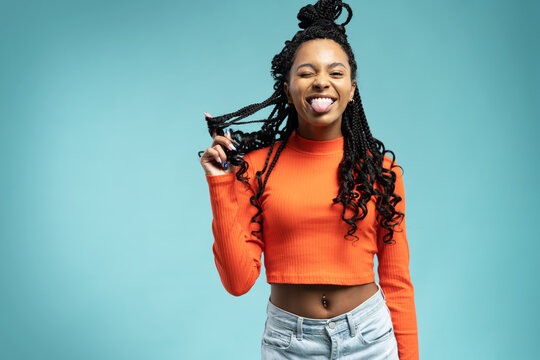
pixel 361 167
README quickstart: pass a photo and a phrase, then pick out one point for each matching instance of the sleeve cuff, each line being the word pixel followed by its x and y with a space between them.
pixel 220 179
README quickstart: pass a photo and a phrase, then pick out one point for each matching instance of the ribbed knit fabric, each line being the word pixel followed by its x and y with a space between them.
pixel 303 233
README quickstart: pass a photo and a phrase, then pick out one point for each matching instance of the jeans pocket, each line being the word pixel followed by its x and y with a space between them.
pixel 278 338
pixel 377 328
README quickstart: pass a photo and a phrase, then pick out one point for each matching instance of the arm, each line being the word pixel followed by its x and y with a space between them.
pixel 395 280
pixel 237 253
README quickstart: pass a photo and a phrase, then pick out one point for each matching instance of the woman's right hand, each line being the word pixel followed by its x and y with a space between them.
pixel 214 159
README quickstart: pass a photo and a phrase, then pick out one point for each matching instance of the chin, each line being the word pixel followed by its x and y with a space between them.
pixel 324 119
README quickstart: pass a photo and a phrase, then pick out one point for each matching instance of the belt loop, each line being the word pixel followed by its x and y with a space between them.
pixel 382 292
pixel 352 325
pixel 299 328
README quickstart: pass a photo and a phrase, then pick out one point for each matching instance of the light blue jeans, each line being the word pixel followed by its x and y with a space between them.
pixel 365 332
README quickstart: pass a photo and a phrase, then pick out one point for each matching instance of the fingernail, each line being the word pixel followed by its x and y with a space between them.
pixel 207 114
pixel 227 131
pixel 219 160
pixel 231 146
pixel 225 166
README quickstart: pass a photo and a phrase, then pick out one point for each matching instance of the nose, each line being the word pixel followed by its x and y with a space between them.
pixel 321 82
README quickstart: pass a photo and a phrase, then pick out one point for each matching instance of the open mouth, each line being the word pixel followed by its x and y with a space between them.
pixel 321 104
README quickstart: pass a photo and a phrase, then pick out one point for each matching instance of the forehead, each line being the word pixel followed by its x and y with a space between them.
pixel 321 51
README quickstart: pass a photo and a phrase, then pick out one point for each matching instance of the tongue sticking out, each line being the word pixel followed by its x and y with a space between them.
pixel 321 106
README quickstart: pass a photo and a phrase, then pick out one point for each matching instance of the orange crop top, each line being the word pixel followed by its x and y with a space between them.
pixel 303 233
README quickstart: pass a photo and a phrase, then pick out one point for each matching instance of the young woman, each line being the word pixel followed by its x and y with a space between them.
pixel 317 193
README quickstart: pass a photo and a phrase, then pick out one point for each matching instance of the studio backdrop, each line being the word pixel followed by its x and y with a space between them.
pixel 105 218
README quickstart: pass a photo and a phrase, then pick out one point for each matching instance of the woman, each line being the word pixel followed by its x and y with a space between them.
pixel 315 191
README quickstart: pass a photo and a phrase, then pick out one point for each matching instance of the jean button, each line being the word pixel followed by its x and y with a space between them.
pixel 332 325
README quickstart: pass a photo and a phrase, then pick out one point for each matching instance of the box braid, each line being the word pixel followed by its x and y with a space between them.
pixel 361 172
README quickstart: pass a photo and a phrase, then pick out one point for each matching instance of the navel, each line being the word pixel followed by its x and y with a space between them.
pixel 324 301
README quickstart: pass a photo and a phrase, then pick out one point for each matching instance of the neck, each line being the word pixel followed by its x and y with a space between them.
pixel 320 133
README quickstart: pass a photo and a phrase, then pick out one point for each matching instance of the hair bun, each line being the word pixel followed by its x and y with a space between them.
pixel 323 13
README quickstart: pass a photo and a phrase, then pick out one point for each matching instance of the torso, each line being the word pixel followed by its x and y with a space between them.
pixel 306 300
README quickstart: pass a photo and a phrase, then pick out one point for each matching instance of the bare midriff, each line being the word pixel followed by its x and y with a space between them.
pixel 320 301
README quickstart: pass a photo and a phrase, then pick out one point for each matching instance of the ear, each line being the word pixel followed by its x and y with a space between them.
pixel 353 88
pixel 286 89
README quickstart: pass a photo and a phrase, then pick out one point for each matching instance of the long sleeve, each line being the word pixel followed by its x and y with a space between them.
pixel 237 253
pixel 395 280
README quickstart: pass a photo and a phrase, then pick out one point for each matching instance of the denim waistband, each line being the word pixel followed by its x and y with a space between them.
pixel 344 322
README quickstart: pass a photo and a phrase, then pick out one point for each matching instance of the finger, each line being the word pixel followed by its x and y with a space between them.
pixel 221 152
pixel 212 153
pixel 207 115
pixel 221 156
pixel 225 142
pixel 228 133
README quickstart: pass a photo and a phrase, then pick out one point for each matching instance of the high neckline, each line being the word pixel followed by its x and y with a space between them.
pixel 318 147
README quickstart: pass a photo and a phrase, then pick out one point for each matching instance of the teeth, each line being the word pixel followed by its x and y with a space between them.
pixel 322 99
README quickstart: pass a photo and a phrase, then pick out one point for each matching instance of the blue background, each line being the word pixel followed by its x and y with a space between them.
pixel 105 214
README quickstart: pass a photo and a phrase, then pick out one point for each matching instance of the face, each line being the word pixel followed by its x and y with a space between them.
pixel 320 88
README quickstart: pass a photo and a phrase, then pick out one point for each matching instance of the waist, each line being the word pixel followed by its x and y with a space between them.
pixel 284 319
pixel 321 301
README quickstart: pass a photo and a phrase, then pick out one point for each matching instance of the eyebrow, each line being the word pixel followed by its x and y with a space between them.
pixel 334 64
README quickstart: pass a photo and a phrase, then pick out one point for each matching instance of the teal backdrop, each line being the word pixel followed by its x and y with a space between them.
pixel 106 242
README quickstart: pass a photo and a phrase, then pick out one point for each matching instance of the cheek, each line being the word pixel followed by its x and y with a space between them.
pixel 295 92
pixel 298 98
